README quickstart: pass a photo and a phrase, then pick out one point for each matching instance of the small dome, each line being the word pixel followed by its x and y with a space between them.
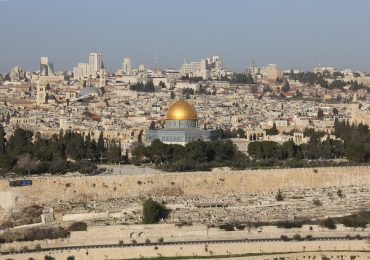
pixel 89 91
pixel 182 110
pixel 142 67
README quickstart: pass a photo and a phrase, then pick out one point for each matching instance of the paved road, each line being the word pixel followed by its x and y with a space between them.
pixel 50 249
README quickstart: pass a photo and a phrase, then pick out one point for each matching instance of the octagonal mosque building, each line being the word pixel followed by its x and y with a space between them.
pixel 181 126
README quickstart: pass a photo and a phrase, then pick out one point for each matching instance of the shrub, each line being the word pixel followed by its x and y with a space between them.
pixel 240 227
pixel 297 237
pixel 317 202
pixel 147 241
pixel 309 237
pixel 227 227
pixel 329 223
pixel 78 226
pixel 340 193
pixel 279 196
pixel 183 223
pixel 284 238
pixel 356 220
pixel 160 240
pixel 7 224
pixel 289 224
pixel 33 234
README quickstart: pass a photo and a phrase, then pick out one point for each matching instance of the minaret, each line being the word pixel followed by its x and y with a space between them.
pixel 354 110
pixel 63 120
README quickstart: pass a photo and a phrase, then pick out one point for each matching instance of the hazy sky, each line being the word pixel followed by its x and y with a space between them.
pixel 291 33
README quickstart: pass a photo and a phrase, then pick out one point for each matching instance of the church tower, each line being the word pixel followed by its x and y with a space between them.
pixel 40 95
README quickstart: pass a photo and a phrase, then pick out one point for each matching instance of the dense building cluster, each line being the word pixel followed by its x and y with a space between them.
pixel 129 106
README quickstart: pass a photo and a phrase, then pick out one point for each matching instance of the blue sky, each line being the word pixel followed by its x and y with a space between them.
pixel 291 33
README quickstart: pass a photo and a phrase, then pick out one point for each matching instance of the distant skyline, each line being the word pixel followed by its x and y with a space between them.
pixel 290 33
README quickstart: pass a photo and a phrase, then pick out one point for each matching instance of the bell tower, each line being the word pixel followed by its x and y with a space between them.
pixel 40 95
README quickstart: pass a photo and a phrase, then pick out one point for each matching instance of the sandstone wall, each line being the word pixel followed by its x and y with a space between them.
pixel 311 249
pixel 60 188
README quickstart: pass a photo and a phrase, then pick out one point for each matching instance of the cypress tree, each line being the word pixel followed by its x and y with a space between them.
pixel 101 147
pixel 2 140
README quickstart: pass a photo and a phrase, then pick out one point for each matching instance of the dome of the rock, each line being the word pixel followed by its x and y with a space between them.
pixel 182 110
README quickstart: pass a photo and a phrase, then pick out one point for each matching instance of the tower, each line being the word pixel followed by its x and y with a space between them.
pixel 354 110
pixel 95 63
pixel 46 68
pixel 127 66
pixel 103 77
pixel 40 95
pixel 63 120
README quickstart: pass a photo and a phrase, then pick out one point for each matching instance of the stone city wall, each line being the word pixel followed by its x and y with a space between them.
pixel 50 189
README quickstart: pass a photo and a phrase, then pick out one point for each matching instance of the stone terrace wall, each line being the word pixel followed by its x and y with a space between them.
pixel 60 188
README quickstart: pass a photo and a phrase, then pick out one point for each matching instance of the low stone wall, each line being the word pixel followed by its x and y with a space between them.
pixel 309 249
pixel 46 190
pixel 103 235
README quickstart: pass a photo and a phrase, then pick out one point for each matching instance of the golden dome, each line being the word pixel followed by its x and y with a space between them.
pixel 181 110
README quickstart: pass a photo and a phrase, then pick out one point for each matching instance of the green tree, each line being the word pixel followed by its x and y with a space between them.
pixel 241 78
pixel 20 142
pixel 114 154
pixel 139 153
pixel 2 140
pixel 356 152
pixel 335 111
pixel 101 146
pixel 273 130
pixel 255 150
pixel 285 87
pixel 152 125
pixel 91 148
pixel 320 114
pixel 153 211
pixel 288 150
pixel 240 133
